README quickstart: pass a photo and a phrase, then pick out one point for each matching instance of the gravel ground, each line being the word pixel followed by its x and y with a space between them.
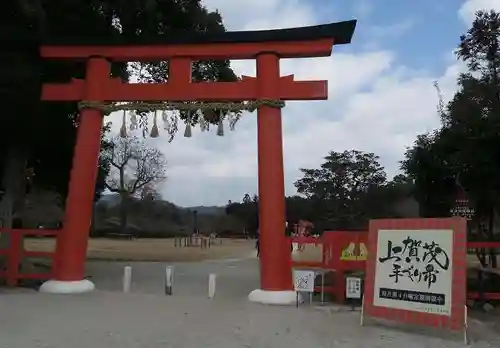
pixel 107 318
pixel 235 278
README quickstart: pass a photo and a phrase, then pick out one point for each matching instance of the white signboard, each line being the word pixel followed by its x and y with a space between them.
pixel 353 287
pixel 414 270
pixel 304 280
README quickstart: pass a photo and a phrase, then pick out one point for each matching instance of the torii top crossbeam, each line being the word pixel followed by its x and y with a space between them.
pixel 313 41
pixel 305 42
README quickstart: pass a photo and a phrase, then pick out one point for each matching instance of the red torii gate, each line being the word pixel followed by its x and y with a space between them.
pixel 267 47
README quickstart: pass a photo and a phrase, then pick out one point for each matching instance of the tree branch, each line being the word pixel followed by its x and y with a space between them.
pixel 116 165
pixel 112 189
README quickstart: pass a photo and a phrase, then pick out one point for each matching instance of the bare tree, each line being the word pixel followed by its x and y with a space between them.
pixel 150 193
pixel 134 165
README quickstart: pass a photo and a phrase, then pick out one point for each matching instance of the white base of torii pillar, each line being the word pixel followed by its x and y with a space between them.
pixel 67 287
pixel 269 297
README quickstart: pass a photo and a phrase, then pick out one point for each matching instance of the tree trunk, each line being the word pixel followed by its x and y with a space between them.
pixel 13 200
pixel 491 235
pixel 123 212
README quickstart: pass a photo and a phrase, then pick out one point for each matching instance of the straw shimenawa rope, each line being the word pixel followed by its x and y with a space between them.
pixel 190 107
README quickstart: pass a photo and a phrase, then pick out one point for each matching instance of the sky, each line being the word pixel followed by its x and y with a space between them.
pixel 381 93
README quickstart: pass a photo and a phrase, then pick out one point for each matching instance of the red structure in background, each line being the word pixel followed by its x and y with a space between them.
pixel 267 48
pixel 302 228
pixel 16 253
pixel 333 243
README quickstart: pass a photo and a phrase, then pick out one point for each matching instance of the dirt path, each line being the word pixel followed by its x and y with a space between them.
pixel 146 317
pixel 108 320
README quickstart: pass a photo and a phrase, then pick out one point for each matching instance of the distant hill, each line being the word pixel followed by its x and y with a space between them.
pixel 160 218
pixel 202 210
pixel 113 199
pixel 109 200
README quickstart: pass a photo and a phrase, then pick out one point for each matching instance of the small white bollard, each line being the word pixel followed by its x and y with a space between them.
pixel 211 285
pixel 169 280
pixel 127 279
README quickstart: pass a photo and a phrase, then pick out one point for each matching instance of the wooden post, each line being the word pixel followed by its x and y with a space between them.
pixel 127 279
pixel 169 280
pixel 211 285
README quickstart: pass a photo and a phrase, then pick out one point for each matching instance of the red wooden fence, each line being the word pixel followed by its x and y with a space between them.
pixel 16 252
pixel 332 243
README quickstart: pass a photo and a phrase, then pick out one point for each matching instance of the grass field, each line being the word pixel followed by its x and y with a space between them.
pixel 152 249
pixel 164 250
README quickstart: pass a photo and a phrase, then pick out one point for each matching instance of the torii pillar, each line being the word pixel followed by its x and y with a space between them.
pixel 275 257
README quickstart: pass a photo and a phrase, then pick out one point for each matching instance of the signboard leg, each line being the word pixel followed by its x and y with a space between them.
pixel 362 316
pixel 310 298
pixel 322 287
pixel 466 338
pixel 297 299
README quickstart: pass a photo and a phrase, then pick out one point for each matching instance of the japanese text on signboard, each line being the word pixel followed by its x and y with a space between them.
pixel 417 260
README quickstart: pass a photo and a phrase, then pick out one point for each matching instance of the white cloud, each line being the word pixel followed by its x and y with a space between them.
pixel 362 8
pixel 394 30
pixel 470 7
pixel 262 14
pixel 375 104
